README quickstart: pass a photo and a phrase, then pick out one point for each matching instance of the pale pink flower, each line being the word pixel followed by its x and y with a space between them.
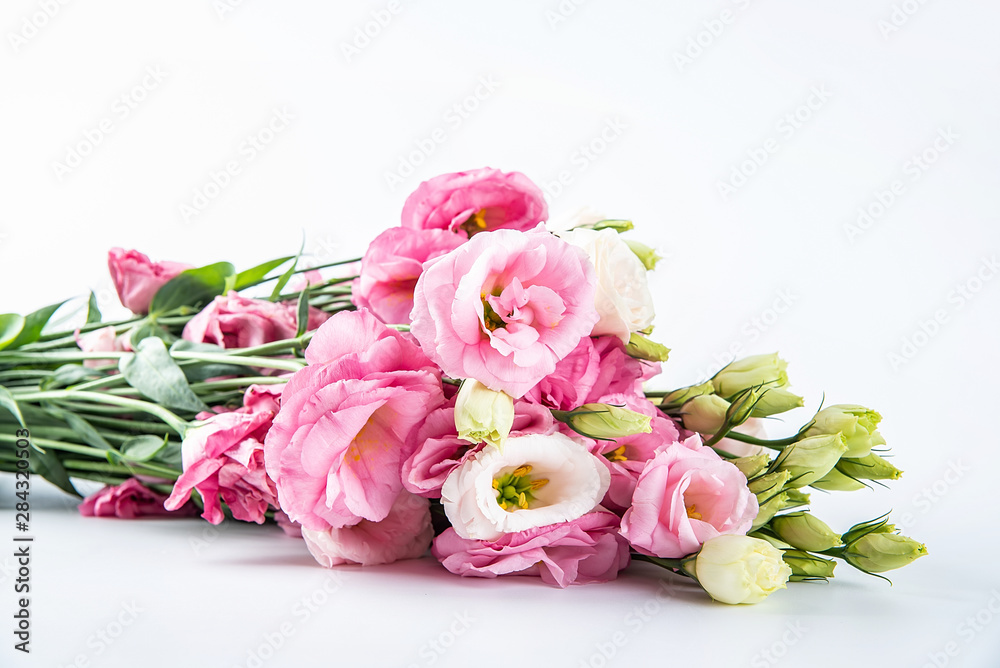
pixel 137 278
pixel 337 443
pixel 504 308
pixel 225 457
pixel 234 321
pixel 391 266
pixel 685 495
pixel 584 550
pixel 476 201
pixel 101 340
pixel 130 500
pixel 405 533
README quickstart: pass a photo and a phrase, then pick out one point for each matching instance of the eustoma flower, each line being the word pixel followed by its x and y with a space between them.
pixel 234 321
pixel 225 457
pixel 504 308
pixel 130 500
pixel 475 201
pixel 137 278
pixel 585 550
pixel 391 266
pixel 685 495
pixel 623 299
pixel 336 445
pixel 536 480
pixel 740 569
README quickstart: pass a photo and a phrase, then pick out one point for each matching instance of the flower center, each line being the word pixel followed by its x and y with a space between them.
pixel 693 513
pixel 491 318
pixel 617 455
pixel 475 223
pixel 515 488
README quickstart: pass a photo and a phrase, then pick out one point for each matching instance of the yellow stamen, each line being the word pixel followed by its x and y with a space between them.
pixel 618 455
pixel 479 219
pixel 538 484
pixel 522 470
pixel 693 513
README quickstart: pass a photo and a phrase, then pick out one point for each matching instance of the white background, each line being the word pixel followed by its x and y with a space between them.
pixel 872 314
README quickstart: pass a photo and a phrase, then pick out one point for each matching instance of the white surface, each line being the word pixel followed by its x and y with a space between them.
pixel 682 130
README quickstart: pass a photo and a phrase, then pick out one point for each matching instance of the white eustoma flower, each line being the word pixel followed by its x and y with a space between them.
pixel 623 299
pixel 740 569
pixel 537 480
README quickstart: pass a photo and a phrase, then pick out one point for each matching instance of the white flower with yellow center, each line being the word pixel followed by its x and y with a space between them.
pixel 537 480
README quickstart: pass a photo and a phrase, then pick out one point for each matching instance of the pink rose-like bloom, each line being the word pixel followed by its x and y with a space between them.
pixel 337 443
pixel 582 551
pixel 685 495
pixel 504 308
pixel 101 340
pixel 391 266
pixel 225 457
pixel 480 200
pixel 598 366
pixel 234 321
pixel 405 533
pixel 437 449
pixel 130 500
pixel 137 278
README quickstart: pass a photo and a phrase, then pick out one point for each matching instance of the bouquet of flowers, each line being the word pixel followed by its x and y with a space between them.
pixel 478 389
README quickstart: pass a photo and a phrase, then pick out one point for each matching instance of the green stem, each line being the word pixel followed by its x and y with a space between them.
pixel 172 420
pixel 777 444
pixel 48 443
pixel 238 360
pixel 244 381
pixel 125 469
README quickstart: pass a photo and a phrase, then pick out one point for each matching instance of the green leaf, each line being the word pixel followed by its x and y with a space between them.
pixel 83 429
pixel 302 314
pixel 33 325
pixel 47 465
pixel 7 401
pixel 147 329
pixel 285 277
pixel 156 375
pixel 93 310
pixel 68 374
pixel 255 275
pixel 11 325
pixel 196 372
pixel 193 288
pixel 142 448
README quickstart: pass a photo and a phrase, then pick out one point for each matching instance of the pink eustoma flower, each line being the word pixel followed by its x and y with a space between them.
pixel 405 533
pixel 685 495
pixel 582 551
pixel 225 457
pixel 480 200
pixel 337 443
pixel 391 266
pixel 234 321
pixel 137 278
pixel 504 308
pixel 131 500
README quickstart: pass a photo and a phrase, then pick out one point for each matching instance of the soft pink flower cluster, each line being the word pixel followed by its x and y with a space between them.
pixel 362 448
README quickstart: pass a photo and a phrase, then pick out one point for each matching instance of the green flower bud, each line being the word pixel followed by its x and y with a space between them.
pixel 812 458
pixel 768 508
pixel 766 370
pixel 641 348
pixel 774 400
pixel 482 414
pixel 769 484
pixel 678 398
pixel 751 466
pixel 877 525
pixel 605 421
pixel 705 414
pixel 880 552
pixel 871 467
pixel 805 531
pixel 805 565
pixel 796 498
pixel 857 423
pixel 835 481
pixel 646 255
